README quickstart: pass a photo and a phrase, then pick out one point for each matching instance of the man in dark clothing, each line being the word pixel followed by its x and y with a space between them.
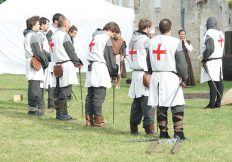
pixel 187 48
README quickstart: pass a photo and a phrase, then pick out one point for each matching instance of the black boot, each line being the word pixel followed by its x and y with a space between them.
pixel 163 124
pixel 61 110
pixel 217 104
pixel 180 135
pixel 164 135
pixel 149 129
pixel 210 106
pixel 134 129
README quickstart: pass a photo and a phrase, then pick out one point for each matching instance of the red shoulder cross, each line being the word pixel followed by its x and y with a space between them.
pixel 158 51
pixel 132 52
pixel 51 44
pixel 220 40
pixel 91 44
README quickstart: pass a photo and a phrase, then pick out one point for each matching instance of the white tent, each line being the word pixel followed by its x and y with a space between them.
pixel 87 15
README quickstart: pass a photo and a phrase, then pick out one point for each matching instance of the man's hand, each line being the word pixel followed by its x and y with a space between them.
pixel 78 65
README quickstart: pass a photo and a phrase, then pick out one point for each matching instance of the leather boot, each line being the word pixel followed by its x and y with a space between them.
pixel 149 129
pixel 98 121
pixel 61 110
pixel 134 128
pixel 89 120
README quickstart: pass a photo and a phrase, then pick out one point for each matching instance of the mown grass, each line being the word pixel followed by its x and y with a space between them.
pixel 27 138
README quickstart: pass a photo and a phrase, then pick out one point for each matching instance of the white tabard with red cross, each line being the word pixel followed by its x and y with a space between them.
pixel 214 65
pixel 99 75
pixel 59 54
pixel 137 60
pixel 164 82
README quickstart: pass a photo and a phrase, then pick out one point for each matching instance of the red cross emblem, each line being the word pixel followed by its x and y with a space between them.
pixel 51 44
pixel 220 40
pixel 91 45
pixel 158 51
pixel 132 52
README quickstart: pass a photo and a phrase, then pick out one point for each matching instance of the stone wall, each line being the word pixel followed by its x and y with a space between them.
pixel 196 14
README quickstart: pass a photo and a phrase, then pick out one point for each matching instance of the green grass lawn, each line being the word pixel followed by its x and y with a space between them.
pixel 27 138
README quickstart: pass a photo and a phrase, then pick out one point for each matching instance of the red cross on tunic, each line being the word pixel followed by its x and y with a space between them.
pixel 220 40
pixel 158 51
pixel 91 45
pixel 132 52
pixel 51 44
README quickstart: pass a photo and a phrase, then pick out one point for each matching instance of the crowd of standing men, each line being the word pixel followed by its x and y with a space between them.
pixel 159 69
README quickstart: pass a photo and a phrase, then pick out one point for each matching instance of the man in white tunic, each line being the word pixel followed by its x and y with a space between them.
pixel 33 48
pixel 44 25
pixel 169 69
pixel 139 47
pixel 54 26
pixel 63 55
pixel 101 68
pixel 212 58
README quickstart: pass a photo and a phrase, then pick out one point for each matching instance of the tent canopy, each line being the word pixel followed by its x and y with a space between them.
pixel 86 15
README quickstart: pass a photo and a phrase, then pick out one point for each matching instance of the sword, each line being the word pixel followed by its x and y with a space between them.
pixel 207 71
pixel 74 96
pixel 143 140
pixel 82 109
pixel 113 98
pixel 177 90
pixel 176 147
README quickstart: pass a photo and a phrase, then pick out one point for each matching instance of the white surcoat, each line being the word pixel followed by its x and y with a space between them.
pixel 138 51
pixel 164 86
pixel 58 54
pixel 99 75
pixel 214 65
pixel 31 74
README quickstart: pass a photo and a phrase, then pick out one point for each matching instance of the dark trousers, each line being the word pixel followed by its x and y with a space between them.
pixel 61 94
pixel 214 96
pixel 94 100
pixel 50 97
pixel 177 117
pixel 35 96
pixel 139 109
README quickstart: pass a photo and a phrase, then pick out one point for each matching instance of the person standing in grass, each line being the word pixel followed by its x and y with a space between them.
pixel 187 48
pixel 65 58
pixel 44 25
pixel 169 68
pixel 212 59
pixel 34 75
pixel 139 48
pixel 119 48
pixel 102 67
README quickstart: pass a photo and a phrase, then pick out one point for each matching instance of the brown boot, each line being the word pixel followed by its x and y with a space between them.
pixel 89 120
pixel 149 129
pixel 98 121
pixel 134 128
